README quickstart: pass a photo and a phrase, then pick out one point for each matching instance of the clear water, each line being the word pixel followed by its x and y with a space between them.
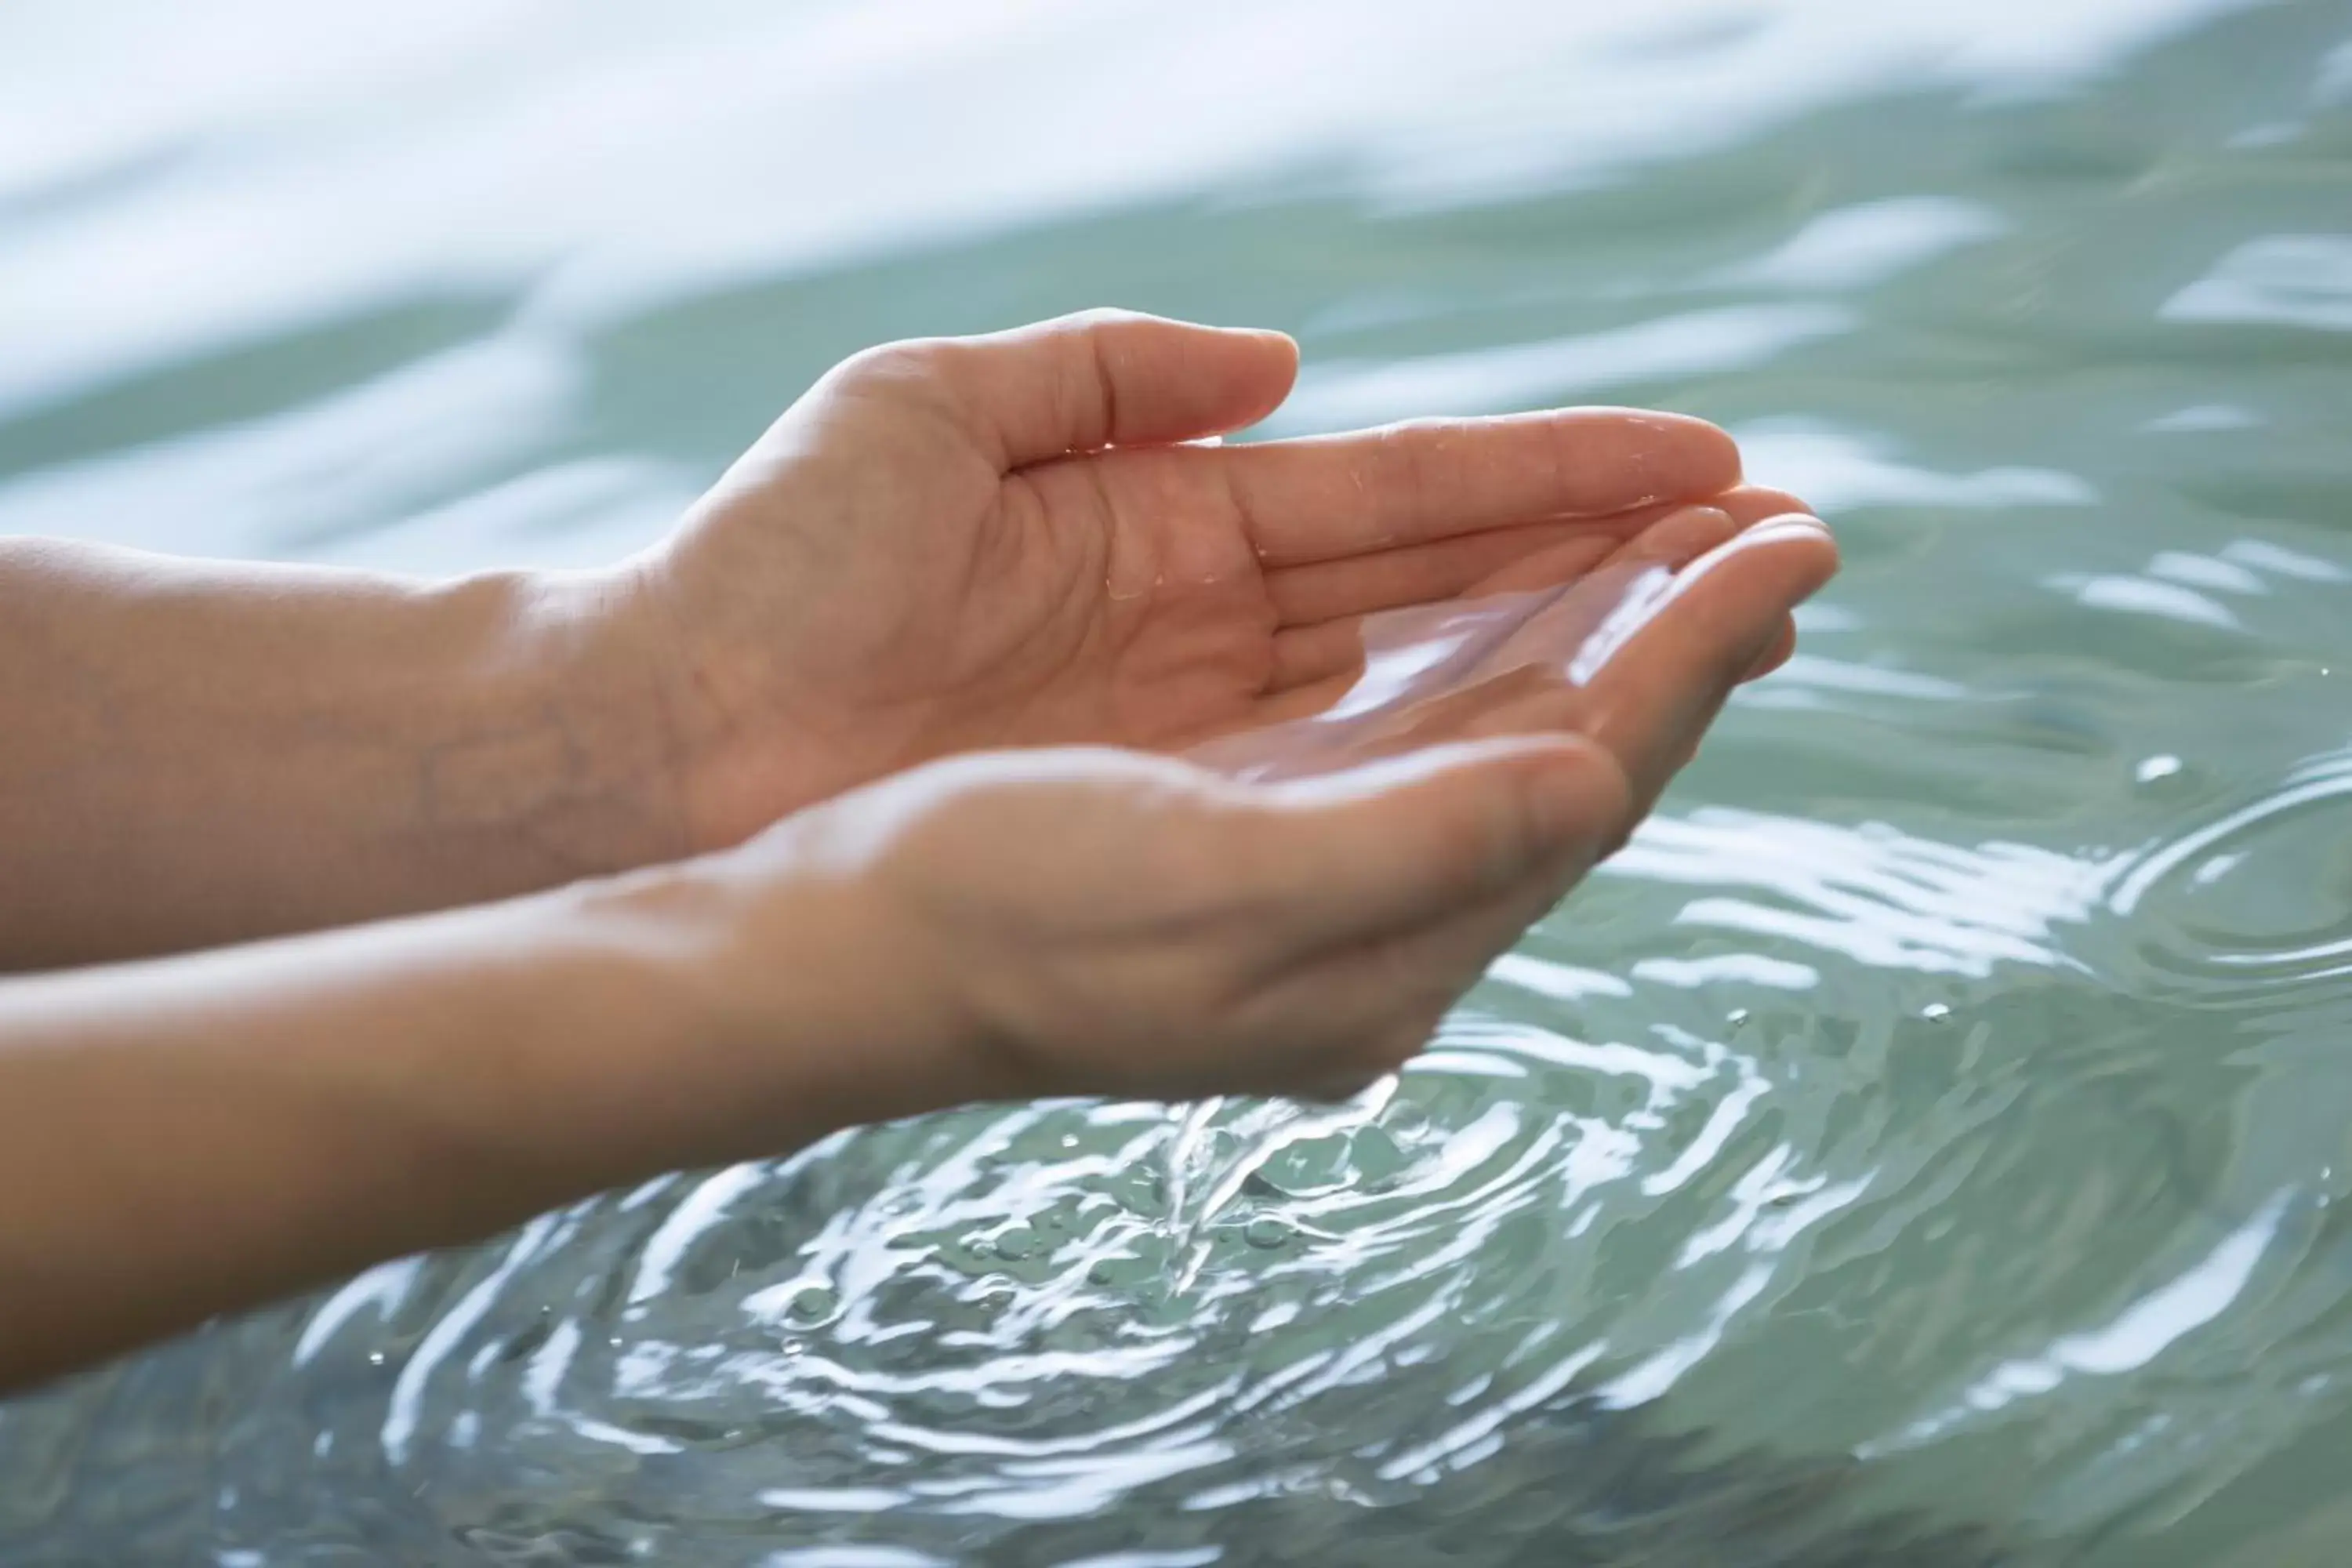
pixel 1925 1145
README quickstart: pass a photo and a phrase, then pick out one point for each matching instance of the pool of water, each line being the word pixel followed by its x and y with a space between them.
pixel 1924 1145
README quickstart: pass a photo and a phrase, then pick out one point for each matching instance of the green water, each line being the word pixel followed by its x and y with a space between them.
pixel 1924 1145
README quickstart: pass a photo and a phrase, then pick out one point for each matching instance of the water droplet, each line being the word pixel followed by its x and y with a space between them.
pixel 1265 1231
pixel 1935 1012
pixel 1015 1243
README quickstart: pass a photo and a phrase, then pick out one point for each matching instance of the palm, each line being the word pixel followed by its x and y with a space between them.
pixel 951 566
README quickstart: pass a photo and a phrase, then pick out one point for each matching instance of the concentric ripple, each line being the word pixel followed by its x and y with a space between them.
pixel 2257 900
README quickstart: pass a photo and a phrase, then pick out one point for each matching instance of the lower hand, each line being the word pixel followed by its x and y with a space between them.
pixel 1069 921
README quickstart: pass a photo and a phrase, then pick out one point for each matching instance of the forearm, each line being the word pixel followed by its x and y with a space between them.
pixel 189 1136
pixel 197 752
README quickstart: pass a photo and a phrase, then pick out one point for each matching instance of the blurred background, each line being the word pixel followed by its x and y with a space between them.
pixel 1922 1146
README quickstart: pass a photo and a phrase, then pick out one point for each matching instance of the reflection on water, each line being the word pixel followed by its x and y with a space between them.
pixel 1923 1145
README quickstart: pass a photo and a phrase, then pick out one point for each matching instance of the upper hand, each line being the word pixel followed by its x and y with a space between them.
pixel 1016 540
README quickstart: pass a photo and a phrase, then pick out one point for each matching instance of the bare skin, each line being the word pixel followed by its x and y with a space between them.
pixel 932 551
pixel 851 801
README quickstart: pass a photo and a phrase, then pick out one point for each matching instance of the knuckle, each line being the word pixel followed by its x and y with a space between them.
pixel 911 366
pixel 1098 315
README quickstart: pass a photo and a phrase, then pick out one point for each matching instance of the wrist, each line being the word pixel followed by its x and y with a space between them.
pixel 790 1004
pixel 579 757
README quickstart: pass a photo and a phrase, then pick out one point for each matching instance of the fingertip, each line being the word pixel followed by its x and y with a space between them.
pixel 1784 647
pixel 1447 823
pixel 1719 621
pixel 1795 522
pixel 1706 458
pixel 1279 357
pixel 1810 546
pixel 1279 343
pixel 1794 553
pixel 1687 457
pixel 1253 370
pixel 1751 504
pixel 1678 538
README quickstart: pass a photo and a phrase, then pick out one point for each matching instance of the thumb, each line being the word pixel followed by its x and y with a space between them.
pixel 1104 378
pixel 1399 843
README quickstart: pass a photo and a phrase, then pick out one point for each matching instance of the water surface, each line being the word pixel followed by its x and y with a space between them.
pixel 1924 1145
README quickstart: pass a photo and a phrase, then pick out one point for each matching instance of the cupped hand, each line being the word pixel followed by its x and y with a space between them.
pixel 1023 540
pixel 1089 920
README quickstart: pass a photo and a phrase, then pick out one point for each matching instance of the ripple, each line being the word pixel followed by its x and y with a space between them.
pixel 977 1328
pixel 2256 899
pixel 2287 280
pixel 1340 396
pixel 1924 1145
pixel 1875 896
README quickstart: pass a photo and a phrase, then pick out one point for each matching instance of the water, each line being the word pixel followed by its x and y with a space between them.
pixel 1925 1145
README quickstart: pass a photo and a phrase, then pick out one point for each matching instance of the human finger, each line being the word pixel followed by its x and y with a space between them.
pixel 1654 695
pixel 1318 591
pixel 1096 379
pixel 1327 497
pixel 1586 569
pixel 1404 842
pixel 1377 1006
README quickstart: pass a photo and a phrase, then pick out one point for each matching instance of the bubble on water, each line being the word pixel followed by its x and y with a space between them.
pixel 2153 769
pixel 1936 1011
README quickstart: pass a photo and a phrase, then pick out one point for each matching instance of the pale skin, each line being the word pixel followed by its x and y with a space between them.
pixel 381 915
